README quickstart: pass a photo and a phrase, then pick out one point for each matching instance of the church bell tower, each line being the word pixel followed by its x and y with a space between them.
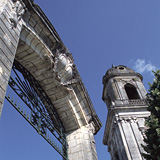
pixel 124 95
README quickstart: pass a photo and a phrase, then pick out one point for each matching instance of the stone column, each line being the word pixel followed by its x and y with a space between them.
pixel 10 28
pixel 81 144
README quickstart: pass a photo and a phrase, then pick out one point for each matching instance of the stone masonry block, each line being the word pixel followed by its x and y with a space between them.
pixel 3 82
pixel 7 40
pixel 5 60
pixel 4 71
pixel 72 143
pixel 80 155
pixel 79 97
pixel 74 102
pixel 8 53
pixel 73 156
pixel 75 149
pixel 32 22
pixel 86 136
pixel 2 94
pixel 87 148
pixel 80 143
pixel 6 29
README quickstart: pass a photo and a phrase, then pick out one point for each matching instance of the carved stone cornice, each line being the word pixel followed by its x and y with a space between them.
pixel 130 119
pixel 120 71
pixel 107 77
pixel 136 103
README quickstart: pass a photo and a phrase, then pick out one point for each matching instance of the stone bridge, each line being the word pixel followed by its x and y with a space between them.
pixel 27 36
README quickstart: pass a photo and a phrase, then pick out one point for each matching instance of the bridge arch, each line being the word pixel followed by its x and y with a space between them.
pixel 29 38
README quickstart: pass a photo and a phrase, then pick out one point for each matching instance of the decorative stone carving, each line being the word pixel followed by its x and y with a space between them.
pixel 16 13
pixel 64 67
pixel 91 127
pixel 127 119
pixel 141 126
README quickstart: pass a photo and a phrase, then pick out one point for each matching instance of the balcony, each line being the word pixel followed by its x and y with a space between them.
pixel 136 102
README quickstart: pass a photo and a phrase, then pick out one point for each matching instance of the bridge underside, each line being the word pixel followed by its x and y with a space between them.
pixel 55 75
pixel 30 39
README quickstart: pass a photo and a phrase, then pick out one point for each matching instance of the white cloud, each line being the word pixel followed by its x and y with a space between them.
pixel 142 66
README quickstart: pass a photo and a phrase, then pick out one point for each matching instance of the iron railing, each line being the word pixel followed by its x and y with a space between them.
pixel 42 116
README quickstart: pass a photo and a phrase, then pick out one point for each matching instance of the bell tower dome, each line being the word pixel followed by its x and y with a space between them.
pixel 124 95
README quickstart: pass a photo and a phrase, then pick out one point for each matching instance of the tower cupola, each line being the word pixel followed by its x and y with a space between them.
pixel 123 87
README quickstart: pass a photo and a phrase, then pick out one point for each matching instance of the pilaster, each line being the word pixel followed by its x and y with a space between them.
pixel 9 38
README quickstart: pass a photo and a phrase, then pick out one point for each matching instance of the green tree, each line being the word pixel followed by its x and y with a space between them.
pixel 152 140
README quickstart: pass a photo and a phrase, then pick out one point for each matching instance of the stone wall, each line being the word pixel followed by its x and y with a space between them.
pixel 9 37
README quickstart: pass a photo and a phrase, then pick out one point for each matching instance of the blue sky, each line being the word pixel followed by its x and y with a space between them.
pixel 98 34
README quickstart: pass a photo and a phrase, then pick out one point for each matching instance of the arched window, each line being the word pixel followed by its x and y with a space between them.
pixel 131 92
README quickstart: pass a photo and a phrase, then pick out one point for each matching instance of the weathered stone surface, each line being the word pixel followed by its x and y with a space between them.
pixel 81 144
pixel 124 129
pixel 8 46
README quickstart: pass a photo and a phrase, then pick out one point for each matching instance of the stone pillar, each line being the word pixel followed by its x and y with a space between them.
pixel 10 28
pixel 81 144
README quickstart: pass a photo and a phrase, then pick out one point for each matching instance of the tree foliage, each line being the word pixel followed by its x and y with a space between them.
pixel 152 140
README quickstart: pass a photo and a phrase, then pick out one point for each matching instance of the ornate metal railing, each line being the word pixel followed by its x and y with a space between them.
pixel 42 116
